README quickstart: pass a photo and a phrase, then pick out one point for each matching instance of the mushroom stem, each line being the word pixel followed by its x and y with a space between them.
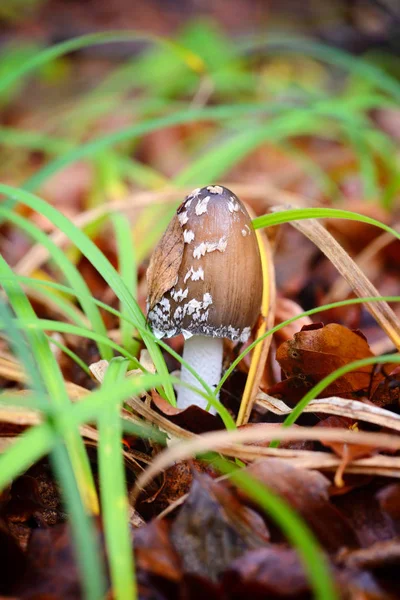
pixel 204 354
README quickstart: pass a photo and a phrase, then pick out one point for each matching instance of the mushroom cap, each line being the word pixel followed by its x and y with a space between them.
pixel 205 276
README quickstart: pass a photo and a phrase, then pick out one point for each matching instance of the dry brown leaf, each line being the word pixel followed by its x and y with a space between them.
pixel 307 493
pixel 287 309
pixel 165 262
pixel 214 527
pixel 314 353
pixel 193 418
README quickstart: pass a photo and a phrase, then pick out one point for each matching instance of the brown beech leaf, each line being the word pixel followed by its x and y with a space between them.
pixel 287 309
pixel 267 572
pixel 193 418
pixel 52 571
pixel 313 354
pixel 385 388
pixel 307 492
pixel 213 528
pixel 154 552
pixel 369 521
pixel 165 263
pixel 389 500
pixel 12 561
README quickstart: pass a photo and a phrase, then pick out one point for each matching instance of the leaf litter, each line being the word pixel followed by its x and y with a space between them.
pixel 194 532
pixel 215 540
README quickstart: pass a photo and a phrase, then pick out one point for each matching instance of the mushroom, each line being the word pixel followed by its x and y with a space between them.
pixel 205 281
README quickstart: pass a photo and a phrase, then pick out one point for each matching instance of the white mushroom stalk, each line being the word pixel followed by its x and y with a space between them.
pixel 204 354
pixel 205 281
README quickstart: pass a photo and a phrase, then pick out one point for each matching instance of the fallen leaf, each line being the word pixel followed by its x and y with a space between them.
pixel 12 561
pixel 287 309
pixel 369 522
pixel 193 418
pixel 389 500
pixel 51 569
pixel 154 552
pixel 313 354
pixel 273 572
pixel 213 528
pixel 176 482
pixel 378 555
pixel 307 493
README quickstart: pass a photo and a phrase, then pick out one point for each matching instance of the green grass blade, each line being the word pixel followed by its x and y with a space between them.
pixel 322 52
pixel 367 166
pixel 107 271
pixel 297 214
pixel 21 349
pixel 38 441
pixel 53 381
pixel 321 385
pixel 77 360
pixel 114 499
pixel 30 447
pixel 69 270
pixel 60 327
pixel 86 542
pixel 33 140
pixel 70 462
pixel 82 331
pixel 216 161
pixel 127 269
pixel 93 39
pixel 65 308
pixel 93 147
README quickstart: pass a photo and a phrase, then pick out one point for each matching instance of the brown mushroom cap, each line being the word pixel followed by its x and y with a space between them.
pixel 205 276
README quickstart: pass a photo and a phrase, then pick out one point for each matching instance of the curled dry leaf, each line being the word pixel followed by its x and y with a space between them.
pixel 165 262
pixel 52 571
pixel 353 409
pixel 389 500
pixel 287 309
pixel 370 522
pixel 314 353
pixel 213 528
pixel 227 442
pixel 307 493
pixel 273 572
pixel 155 555
pixel 193 418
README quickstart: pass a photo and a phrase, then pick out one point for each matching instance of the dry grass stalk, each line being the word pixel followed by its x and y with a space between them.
pixel 222 441
pixel 346 266
pixel 260 352
pixel 353 409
